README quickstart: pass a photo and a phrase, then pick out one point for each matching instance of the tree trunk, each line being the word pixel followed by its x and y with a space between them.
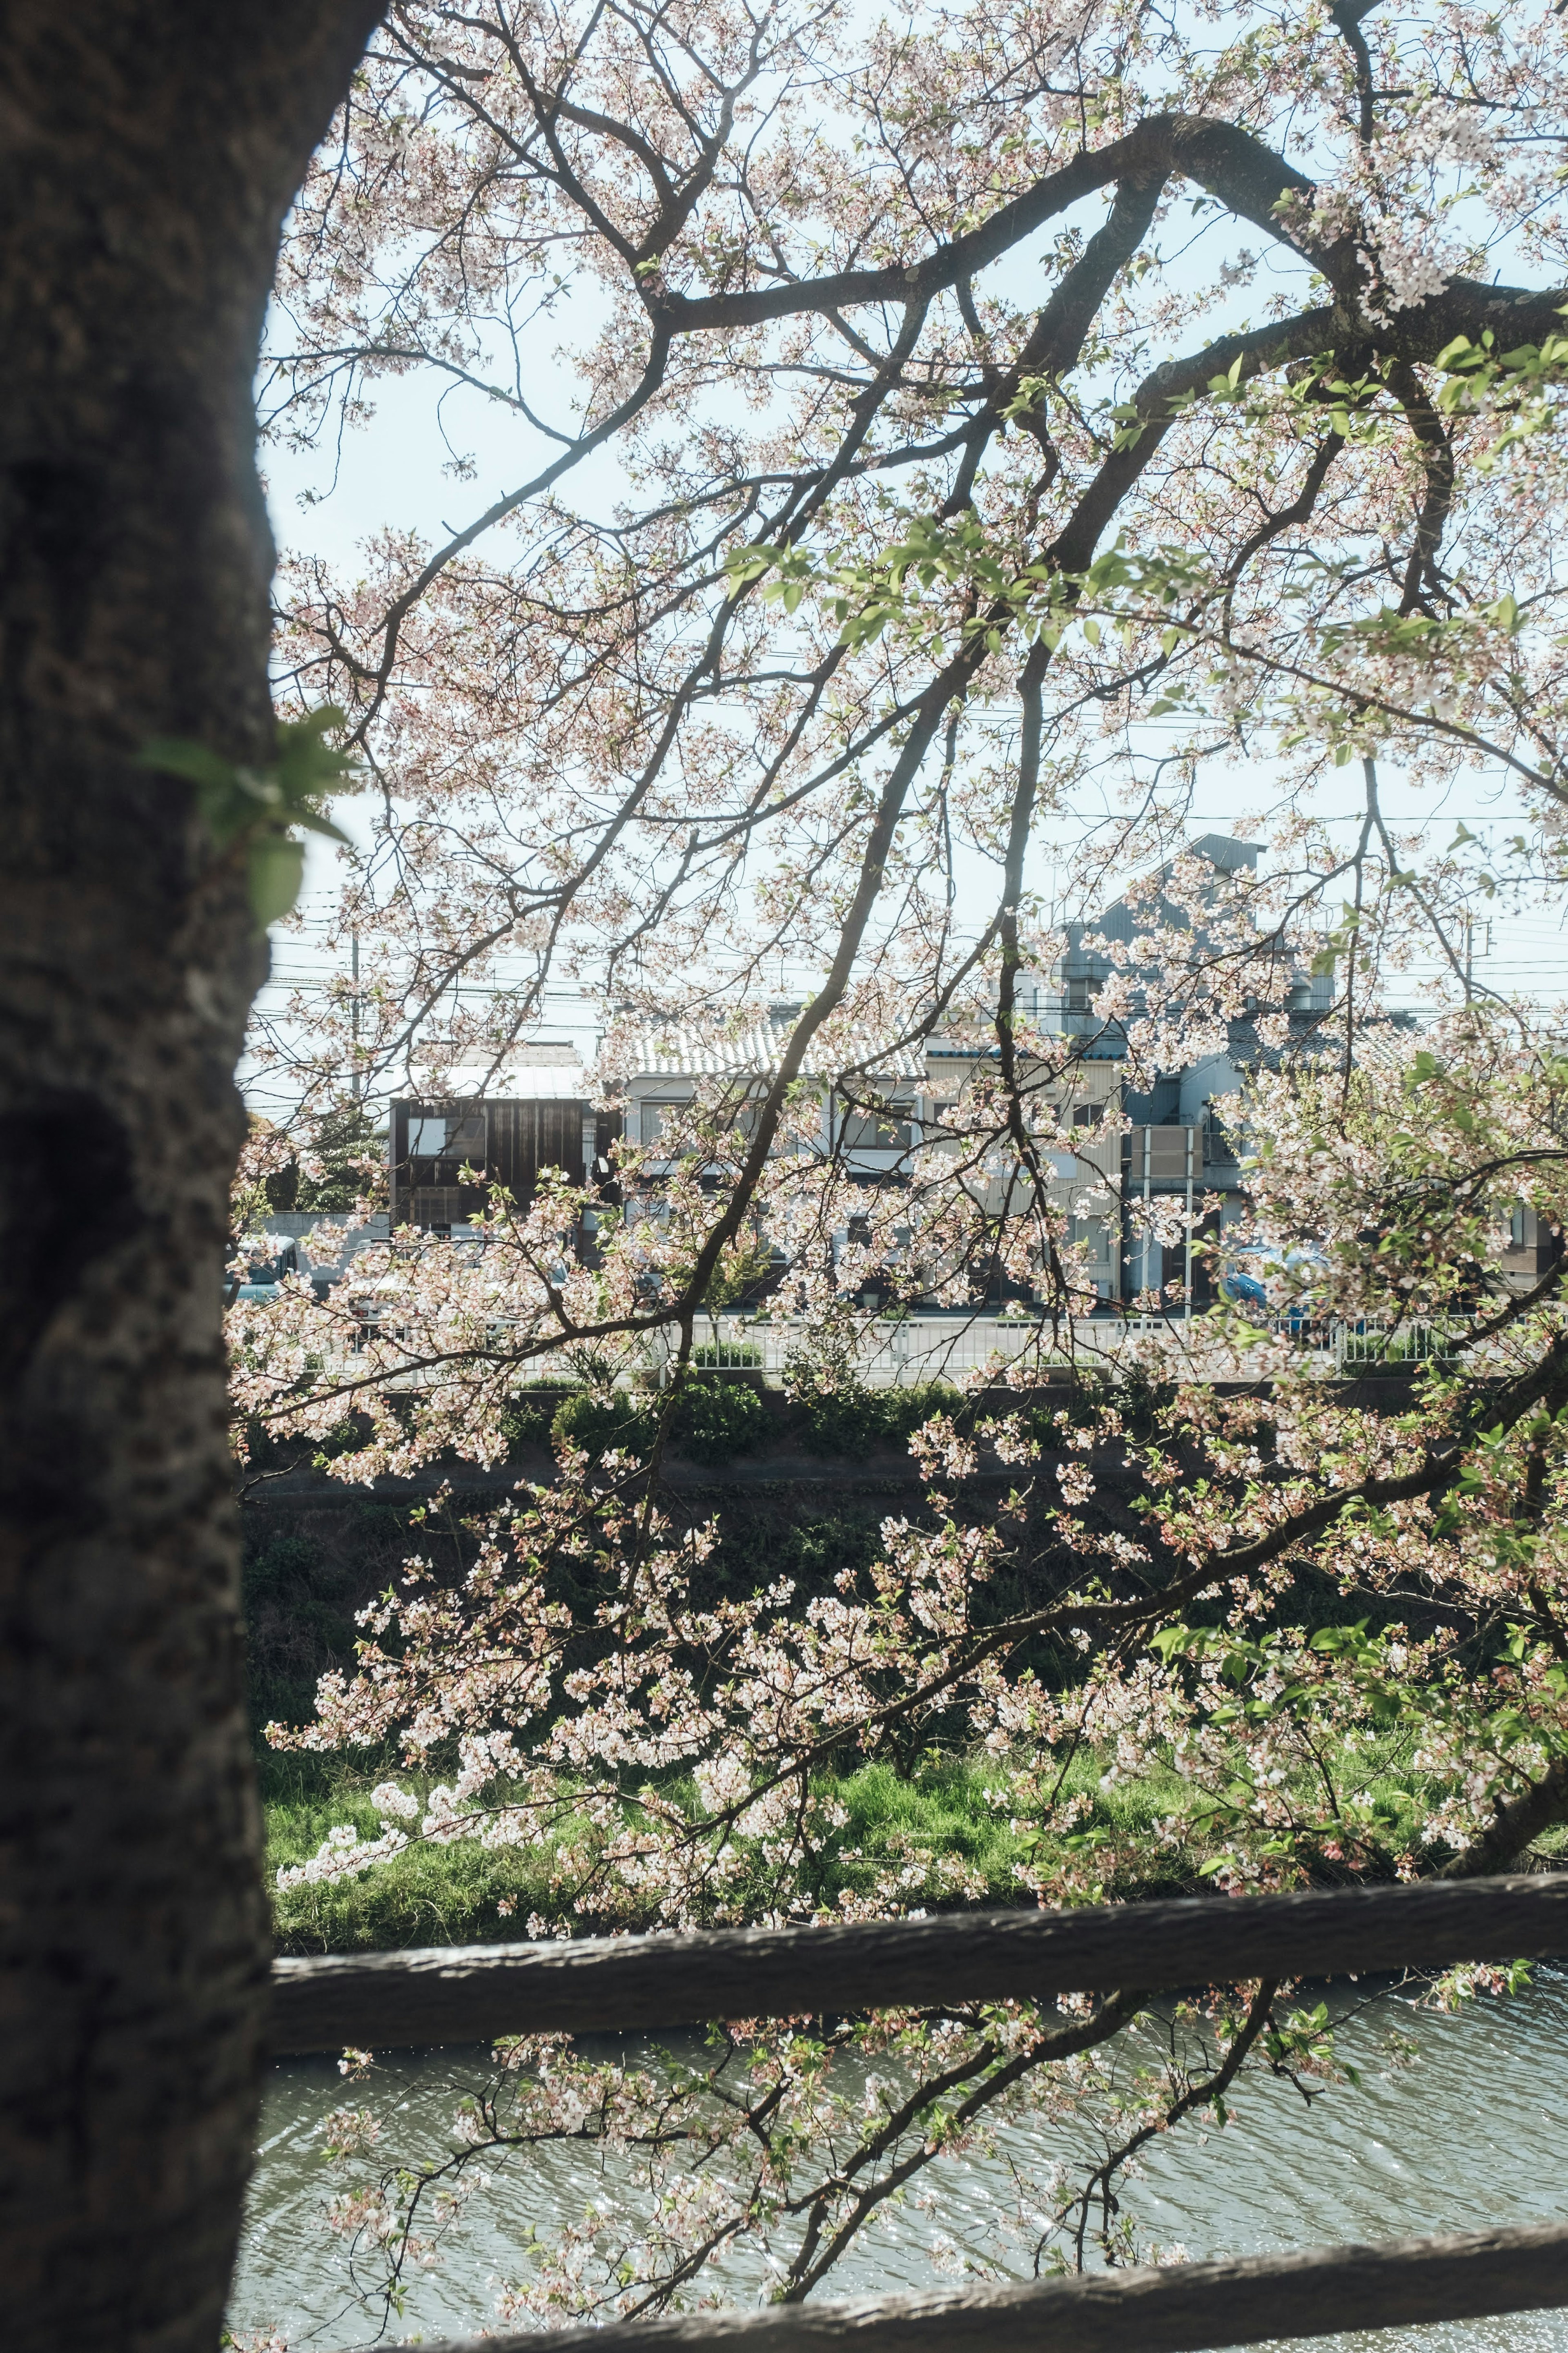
pixel 148 149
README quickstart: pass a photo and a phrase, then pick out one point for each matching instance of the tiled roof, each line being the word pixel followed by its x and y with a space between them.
pixel 669 1051
pixel 1106 1045
pixel 532 1082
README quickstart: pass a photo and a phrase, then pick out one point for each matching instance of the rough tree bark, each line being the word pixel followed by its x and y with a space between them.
pixel 148 149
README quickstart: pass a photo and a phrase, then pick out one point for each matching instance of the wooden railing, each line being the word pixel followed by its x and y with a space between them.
pixel 468 1994
pixel 465 1993
pixel 1187 2308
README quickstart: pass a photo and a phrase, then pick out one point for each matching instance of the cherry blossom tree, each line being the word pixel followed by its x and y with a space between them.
pixel 964 435
pixel 866 500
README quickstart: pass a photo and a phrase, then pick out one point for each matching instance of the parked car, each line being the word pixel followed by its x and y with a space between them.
pixel 261 1279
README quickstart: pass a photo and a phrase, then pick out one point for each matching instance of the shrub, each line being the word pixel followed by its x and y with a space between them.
pixel 299 1620
pixel 604 1421
pixel 904 1410
pixel 716 1419
pixel 287 1563
pixel 524 1420
pixel 846 1420
pixel 854 1418
pixel 1396 1351
pixel 729 1355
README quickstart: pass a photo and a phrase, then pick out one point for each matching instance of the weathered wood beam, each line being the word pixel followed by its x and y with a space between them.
pixel 1187 2308
pixel 469 1993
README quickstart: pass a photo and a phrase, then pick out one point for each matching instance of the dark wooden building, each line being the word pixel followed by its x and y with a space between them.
pixel 507 1139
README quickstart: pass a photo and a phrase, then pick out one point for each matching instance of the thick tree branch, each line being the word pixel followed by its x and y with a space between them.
pixel 1228 161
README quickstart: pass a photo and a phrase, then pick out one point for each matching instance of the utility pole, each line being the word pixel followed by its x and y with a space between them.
pixel 1470 951
pixel 1187 1276
pixel 354 976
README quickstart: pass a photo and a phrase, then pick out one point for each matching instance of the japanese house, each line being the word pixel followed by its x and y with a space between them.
pixel 446 1152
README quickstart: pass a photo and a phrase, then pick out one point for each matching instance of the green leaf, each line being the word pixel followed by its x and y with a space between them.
pixel 306 764
pixel 208 771
pixel 275 868
pixel 314 822
pixel 256 807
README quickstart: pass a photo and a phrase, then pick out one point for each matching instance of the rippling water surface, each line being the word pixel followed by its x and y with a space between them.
pixel 1475 2133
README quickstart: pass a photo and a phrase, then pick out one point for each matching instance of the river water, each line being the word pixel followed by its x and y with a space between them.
pixel 1474 2133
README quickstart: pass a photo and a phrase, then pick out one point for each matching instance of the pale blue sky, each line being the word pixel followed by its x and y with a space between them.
pixel 390 473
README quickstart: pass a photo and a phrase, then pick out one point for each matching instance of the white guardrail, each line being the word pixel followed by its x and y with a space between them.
pixel 899 1351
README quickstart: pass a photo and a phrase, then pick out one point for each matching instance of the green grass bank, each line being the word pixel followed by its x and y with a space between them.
pixel 946 1828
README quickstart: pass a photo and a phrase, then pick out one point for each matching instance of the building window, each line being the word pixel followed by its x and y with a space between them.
pixel 1087 1114
pixel 867 1131
pixel 862 1132
pixel 457 1135
pixel 653 1118
pixel 747 1118
pixel 436 1205
pixel 1515 1227
pixel 1218 1143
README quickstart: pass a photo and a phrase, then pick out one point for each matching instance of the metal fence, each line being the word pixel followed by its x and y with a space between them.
pixel 895 1351
pixel 892 1351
